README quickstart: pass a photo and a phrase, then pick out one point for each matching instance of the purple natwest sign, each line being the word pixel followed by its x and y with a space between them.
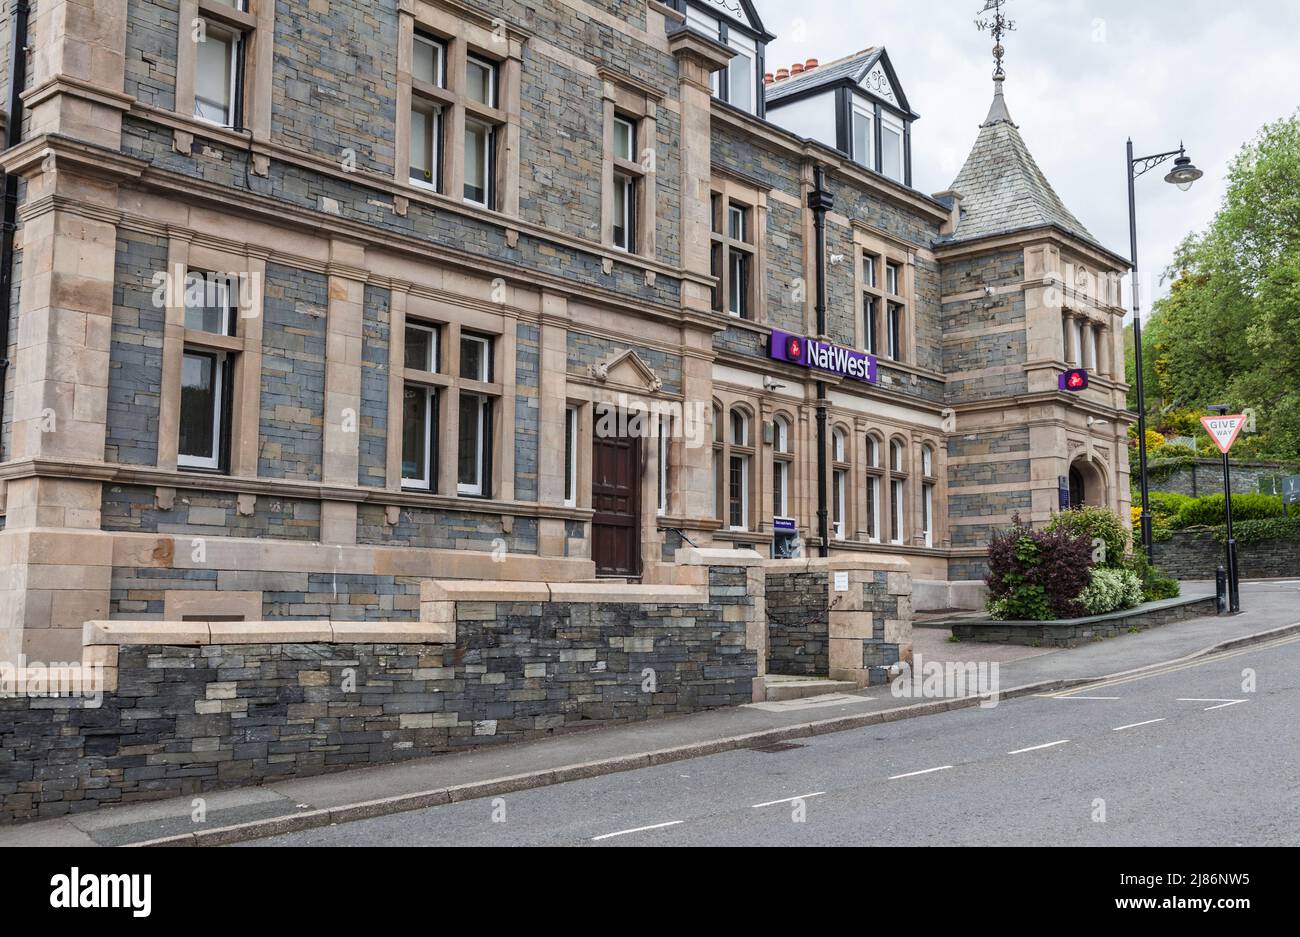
pixel 823 356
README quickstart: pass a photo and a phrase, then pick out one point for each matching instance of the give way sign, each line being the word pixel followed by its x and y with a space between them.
pixel 1223 430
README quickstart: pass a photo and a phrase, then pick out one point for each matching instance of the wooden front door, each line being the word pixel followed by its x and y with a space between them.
pixel 616 500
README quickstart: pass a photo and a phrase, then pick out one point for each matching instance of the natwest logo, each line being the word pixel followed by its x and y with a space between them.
pixel 1074 381
pixel 836 359
pixel 794 348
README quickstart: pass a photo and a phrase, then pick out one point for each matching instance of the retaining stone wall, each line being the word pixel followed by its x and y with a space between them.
pixel 1195 554
pixel 1082 631
pixel 184 720
pixel 1205 477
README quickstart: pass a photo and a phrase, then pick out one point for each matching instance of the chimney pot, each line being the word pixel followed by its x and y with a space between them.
pixel 782 74
pixel 796 69
pixel 767 78
pixel 810 65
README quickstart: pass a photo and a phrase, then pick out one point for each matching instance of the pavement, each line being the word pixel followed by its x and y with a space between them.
pixel 349 799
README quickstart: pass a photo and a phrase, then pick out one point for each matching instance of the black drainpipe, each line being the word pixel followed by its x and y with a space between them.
pixel 13 136
pixel 821 201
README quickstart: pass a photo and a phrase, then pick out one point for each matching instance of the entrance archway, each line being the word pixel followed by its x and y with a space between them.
pixel 1087 485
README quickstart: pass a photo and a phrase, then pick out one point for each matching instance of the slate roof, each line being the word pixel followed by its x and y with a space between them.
pixel 1002 188
pixel 852 66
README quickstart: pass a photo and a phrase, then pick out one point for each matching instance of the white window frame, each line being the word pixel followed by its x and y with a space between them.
pixel 781 483
pixel 889 122
pixel 839 486
pixel 873 501
pixel 434 334
pixel 744 492
pixel 484 375
pixel 439 59
pixel 426 481
pixel 220 362
pixel 489 143
pixel 491 68
pixel 897 500
pixel 434 115
pixel 893 331
pixel 475 488
pixel 235 37
pixel 627 185
pixel 571 456
pixel 749 49
pixel 230 308
pixel 927 512
pixel 631 125
pixel 664 436
pixel 868 115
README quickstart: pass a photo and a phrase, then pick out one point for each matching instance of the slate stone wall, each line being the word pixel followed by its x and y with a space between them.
pixel 798 624
pixel 1196 554
pixel 1205 477
pixel 135 351
pixel 208 514
pixel 295 307
pixel 372 466
pixel 185 720
pixel 527 410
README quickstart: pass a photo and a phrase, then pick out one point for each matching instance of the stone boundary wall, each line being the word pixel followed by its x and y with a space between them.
pixel 798 634
pixel 189 707
pixel 1203 477
pixel 869 622
pixel 1195 554
pixel 1077 631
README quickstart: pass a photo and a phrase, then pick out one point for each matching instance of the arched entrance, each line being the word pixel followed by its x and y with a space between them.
pixel 1087 485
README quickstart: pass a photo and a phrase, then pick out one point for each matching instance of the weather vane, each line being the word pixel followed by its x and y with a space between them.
pixel 998 25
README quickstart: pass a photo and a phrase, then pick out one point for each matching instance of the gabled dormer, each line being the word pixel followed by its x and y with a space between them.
pixel 854 104
pixel 736 24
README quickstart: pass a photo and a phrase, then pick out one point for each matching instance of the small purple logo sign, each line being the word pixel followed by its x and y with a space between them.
pixel 823 356
pixel 1075 381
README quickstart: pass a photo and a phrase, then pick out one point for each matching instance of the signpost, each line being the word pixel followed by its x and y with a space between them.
pixel 1224 430
pixel 1290 492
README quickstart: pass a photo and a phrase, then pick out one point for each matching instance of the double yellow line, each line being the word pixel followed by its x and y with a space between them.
pixel 1175 668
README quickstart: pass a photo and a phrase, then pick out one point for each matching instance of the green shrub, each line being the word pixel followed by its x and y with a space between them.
pixel 1101 527
pixel 1111 590
pixel 1155 584
pixel 1171 451
pixel 1036 575
pixel 1256 531
pixel 1208 511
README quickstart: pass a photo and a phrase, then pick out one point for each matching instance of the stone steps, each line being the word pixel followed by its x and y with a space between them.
pixel 780 688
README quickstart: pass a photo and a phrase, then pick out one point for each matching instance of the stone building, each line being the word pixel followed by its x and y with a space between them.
pixel 312 302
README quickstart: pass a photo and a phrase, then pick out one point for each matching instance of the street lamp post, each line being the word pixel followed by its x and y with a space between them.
pixel 1182 175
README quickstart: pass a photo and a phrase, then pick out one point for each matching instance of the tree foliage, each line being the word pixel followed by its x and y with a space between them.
pixel 1229 331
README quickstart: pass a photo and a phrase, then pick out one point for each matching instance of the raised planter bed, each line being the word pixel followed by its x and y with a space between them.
pixel 1075 631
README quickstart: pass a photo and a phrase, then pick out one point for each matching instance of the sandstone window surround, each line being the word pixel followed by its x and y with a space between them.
pixel 738 250
pixel 929 485
pixel 628 162
pixel 458 74
pixel 663 469
pixel 886 275
pixel 449 370
pixel 734 459
pixel 1086 343
pixel 221 339
pixel 224 62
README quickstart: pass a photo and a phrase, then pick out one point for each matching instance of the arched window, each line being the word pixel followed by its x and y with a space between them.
pixel 839 484
pixel 739 428
pixel 927 494
pixel 874 485
pixel 897 494
pixel 740 457
pixel 781 466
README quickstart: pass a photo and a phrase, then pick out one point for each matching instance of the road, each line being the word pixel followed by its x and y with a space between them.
pixel 1191 754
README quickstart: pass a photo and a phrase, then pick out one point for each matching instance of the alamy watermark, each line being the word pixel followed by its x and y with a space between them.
pixel 54 680
pixel 948 680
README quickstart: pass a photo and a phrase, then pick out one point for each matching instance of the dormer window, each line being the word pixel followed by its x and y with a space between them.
pixel 864 136
pixel 737 84
pixel 891 147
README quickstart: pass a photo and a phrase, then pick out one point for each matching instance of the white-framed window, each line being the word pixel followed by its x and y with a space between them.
pixel 429 60
pixel 896 504
pixel 895 456
pixel 739 429
pixel 624 212
pixel 211 302
pixel 839 486
pixel 891 147
pixel 480 156
pixel 473 442
pixel 571 456
pixel 927 461
pixel 927 513
pixel 205 406
pixel 476 357
pixel 738 492
pixel 891 278
pixel 217 76
pixel 781 467
pixel 481 80
pixel 664 439
pixel 741 78
pixel 864 136
pixel 625 138
pixel 737 245
pixel 839 446
pixel 894 332
pixel 873 508
pixel 419 437
pixel 426 143
pixel 420 352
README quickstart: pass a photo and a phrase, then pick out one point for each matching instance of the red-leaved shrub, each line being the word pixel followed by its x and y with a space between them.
pixel 1038 575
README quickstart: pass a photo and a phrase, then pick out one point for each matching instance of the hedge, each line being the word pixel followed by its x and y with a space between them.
pixel 1208 511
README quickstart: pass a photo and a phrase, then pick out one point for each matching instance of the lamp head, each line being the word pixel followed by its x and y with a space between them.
pixel 1184 174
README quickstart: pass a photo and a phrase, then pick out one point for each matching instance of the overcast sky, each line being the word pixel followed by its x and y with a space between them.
pixel 1082 76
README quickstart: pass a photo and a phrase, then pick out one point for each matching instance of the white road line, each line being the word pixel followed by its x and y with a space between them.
pixel 1223 703
pixel 913 774
pixel 1087 697
pixel 639 829
pixel 1149 722
pixel 1035 748
pixel 789 800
